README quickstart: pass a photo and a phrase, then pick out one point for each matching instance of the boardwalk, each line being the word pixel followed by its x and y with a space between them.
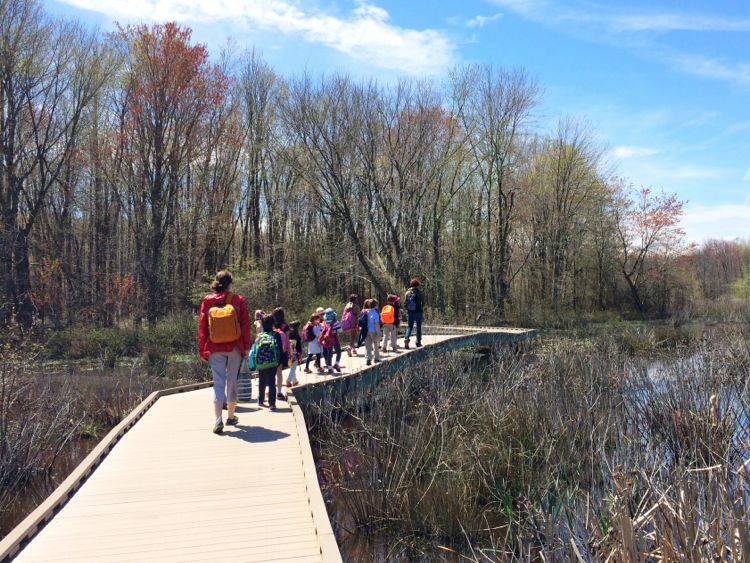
pixel 172 491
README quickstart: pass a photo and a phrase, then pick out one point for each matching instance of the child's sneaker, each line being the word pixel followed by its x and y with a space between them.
pixel 321 371
pixel 377 360
pixel 330 371
pixel 337 368
pixel 281 397
pixel 308 370
pixel 369 362
pixel 406 344
pixel 349 351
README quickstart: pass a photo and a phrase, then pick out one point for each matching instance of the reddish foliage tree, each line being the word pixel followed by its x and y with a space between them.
pixel 646 223
pixel 169 91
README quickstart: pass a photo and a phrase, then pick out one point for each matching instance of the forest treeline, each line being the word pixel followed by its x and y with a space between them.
pixel 134 165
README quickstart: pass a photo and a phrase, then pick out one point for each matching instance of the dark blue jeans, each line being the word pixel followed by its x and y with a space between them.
pixel 414 316
pixel 267 378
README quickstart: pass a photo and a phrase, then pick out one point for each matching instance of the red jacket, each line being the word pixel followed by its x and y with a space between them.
pixel 205 346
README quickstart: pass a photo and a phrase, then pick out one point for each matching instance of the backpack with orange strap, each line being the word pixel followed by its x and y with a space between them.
pixel 224 322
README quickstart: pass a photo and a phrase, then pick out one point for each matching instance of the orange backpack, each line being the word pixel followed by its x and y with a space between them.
pixel 223 322
pixel 387 315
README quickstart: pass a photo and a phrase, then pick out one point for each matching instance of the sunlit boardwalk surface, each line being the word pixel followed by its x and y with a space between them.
pixel 171 490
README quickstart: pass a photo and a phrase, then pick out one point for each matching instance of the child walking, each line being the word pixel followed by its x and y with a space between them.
pixel 388 320
pixel 267 355
pixel 282 328
pixel 311 333
pixel 295 352
pixel 333 326
pixel 362 326
pixel 349 323
pixel 372 340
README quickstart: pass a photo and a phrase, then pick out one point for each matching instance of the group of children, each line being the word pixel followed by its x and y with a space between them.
pixel 278 345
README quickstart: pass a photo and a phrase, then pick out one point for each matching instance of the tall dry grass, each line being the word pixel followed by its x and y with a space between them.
pixel 577 451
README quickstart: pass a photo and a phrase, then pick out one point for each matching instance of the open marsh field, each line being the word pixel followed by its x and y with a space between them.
pixel 583 448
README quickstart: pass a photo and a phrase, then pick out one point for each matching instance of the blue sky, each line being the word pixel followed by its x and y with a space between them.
pixel 665 85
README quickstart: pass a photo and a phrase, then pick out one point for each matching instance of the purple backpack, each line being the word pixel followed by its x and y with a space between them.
pixel 347 319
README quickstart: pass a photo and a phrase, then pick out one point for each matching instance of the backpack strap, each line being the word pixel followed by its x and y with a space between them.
pixel 228 299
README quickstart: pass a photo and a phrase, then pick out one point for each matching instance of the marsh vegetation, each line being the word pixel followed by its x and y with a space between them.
pixel 579 449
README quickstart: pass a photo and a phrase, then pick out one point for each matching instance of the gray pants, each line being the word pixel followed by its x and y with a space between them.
pixel 225 366
pixel 372 342
pixel 389 333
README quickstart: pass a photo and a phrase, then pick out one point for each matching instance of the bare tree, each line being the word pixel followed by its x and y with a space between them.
pixel 495 107
pixel 49 72
pixel 326 120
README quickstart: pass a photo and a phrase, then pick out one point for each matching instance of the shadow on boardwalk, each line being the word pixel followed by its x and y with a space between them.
pixel 256 434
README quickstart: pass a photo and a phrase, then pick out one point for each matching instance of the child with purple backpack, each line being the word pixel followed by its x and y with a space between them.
pixel 349 323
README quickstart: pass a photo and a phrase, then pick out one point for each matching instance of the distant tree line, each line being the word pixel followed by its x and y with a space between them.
pixel 133 166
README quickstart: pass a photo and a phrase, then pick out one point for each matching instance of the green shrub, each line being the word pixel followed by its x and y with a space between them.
pixel 173 334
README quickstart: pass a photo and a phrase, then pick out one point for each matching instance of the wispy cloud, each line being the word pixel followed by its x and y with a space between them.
pixel 633 152
pixel 726 221
pixel 589 14
pixel 712 68
pixel 365 34
pixel 481 21
pixel 598 23
pixel 676 22
pixel 746 178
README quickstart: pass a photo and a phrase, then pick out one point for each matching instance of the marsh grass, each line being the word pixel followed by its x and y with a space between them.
pixel 577 451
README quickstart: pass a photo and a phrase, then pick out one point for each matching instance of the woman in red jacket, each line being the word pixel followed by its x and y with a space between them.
pixel 224 341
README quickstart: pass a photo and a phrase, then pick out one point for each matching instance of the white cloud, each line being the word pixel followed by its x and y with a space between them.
pixel 725 221
pixel 712 68
pixel 587 14
pixel 615 27
pixel 481 21
pixel 633 152
pixel 366 34
pixel 746 178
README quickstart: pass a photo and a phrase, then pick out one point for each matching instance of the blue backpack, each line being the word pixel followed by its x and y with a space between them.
pixel 267 354
pixel 411 300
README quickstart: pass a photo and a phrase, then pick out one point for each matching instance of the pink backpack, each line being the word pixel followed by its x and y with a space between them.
pixel 327 338
pixel 284 340
pixel 347 319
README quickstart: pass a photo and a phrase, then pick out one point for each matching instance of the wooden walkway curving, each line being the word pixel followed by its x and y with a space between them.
pixel 171 490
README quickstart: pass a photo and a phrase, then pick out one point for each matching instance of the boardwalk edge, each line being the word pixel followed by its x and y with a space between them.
pixel 19 536
pixel 329 549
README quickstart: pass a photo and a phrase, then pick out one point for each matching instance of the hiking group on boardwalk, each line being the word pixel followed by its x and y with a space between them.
pixel 224 340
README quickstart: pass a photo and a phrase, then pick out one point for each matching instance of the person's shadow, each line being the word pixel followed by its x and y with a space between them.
pixel 256 434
